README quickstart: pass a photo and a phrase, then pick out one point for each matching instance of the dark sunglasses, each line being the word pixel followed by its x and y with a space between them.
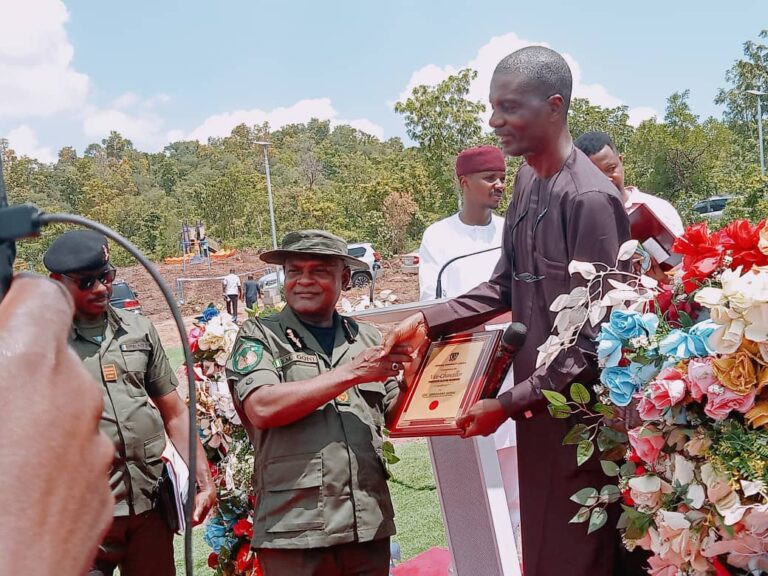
pixel 87 282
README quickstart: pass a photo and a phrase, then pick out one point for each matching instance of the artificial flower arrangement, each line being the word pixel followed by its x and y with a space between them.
pixel 229 529
pixel 681 418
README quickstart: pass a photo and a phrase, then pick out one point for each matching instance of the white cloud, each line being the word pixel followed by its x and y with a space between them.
pixel 126 100
pixel 36 73
pixel 144 130
pixel 220 125
pixel 637 115
pixel 23 141
pixel 131 116
pixel 485 61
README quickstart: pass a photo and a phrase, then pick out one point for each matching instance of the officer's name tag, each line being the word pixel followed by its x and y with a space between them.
pixel 135 346
pixel 109 371
pixel 301 357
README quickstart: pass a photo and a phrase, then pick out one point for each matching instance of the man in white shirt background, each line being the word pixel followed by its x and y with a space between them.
pixel 481 172
pixel 233 291
pixel 602 152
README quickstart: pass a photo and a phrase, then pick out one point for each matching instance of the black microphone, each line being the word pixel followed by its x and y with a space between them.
pixel 439 286
pixel 512 340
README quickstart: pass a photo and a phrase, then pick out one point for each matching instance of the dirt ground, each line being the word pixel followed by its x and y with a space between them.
pixel 207 287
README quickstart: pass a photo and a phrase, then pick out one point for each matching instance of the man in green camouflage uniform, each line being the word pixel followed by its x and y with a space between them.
pixel 315 392
pixel 122 351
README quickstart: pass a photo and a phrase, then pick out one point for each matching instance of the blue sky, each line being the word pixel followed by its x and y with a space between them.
pixel 164 70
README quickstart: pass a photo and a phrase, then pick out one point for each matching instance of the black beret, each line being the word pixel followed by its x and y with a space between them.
pixel 77 251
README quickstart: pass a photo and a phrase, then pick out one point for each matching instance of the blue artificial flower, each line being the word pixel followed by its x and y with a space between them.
pixel 608 347
pixel 620 386
pixel 641 374
pixel 702 332
pixel 627 325
pixel 208 313
pixel 218 534
pixel 694 343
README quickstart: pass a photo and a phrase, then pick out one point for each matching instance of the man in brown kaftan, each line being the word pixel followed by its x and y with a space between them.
pixel 563 208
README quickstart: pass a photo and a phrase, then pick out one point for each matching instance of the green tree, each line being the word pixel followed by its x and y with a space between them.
pixel 748 73
pixel 442 121
pixel 585 117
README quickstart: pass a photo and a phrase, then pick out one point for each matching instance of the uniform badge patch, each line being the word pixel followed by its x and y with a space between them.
pixel 343 398
pixel 248 356
pixel 109 372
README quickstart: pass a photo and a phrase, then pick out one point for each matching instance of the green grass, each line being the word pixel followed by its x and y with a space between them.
pixel 175 356
pixel 417 510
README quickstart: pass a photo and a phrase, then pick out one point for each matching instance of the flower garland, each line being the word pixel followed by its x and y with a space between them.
pixel 229 529
pixel 681 421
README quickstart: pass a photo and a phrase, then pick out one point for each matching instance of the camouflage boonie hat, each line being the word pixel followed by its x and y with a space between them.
pixel 313 243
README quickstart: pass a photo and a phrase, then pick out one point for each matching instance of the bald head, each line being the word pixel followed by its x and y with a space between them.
pixel 541 70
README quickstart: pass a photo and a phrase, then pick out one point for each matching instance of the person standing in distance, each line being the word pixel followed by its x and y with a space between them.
pixel 252 292
pixel 122 351
pixel 233 292
pixel 563 209
pixel 481 172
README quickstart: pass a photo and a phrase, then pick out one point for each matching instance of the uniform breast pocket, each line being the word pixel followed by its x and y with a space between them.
pixel 136 363
pixel 373 394
pixel 293 498
pixel 297 371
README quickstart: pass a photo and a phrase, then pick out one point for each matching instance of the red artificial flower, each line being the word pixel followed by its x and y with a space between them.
pixel 702 254
pixel 670 308
pixel 740 241
pixel 194 335
pixel 257 567
pixel 640 470
pixel 634 458
pixel 624 361
pixel 244 558
pixel 214 470
pixel 243 527
pixel 720 570
pixel 213 560
pixel 627 498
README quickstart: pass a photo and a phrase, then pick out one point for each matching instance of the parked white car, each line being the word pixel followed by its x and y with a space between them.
pixel 411 263
pixel 712 208
pixel 360 278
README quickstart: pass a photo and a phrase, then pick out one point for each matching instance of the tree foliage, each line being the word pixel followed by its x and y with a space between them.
pixel 353 184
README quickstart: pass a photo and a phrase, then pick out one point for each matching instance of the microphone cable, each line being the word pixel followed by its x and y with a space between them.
pixel 25 220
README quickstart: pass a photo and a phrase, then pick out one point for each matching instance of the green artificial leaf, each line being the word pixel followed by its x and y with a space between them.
pixel 610 493
pixel 623 521
pixel 584 451
pixel 608 411
pixel 615 454
pixel 609 468
pixel 637 523
pixel 607 438
pixel 685 320
pixel 628 469
pixel 579 393
pixel 581 516
pixel 585 497
pixel 391 458
pixel 555 398
pixel 577 434
pixel 597 520
pixel 559 411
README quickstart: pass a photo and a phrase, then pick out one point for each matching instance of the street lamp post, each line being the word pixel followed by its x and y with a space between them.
pixel 269 195
pixel 759 93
